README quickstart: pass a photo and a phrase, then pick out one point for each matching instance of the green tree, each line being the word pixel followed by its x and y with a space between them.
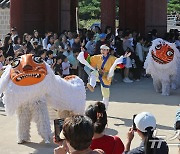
pixel 89 9
pixel 174 6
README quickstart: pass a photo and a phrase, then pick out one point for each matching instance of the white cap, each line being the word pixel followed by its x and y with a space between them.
pixel 104 47
pixel 144 120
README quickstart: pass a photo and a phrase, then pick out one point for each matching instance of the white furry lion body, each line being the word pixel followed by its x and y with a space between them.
pixel 30 102
pixel 165 76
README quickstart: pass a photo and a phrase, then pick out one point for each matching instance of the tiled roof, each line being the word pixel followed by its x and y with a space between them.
pixel 4 4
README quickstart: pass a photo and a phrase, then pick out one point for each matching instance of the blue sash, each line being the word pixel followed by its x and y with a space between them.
pixel 102 67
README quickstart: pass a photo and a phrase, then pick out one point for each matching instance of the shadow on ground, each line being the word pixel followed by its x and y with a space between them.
pixel 129 122
pixel 40 148
pixel 137 92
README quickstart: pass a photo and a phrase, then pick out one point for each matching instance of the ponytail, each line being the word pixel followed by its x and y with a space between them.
pixel 148 149
pixel 97 113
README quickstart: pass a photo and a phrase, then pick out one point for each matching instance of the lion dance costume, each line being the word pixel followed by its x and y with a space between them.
pixel 28 84
pixel 162 63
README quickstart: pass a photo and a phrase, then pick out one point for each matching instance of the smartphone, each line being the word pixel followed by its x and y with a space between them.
pixel 134 125
pixel 58 126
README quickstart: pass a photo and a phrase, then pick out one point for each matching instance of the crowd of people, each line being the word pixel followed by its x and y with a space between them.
pixel 85 134
pixel 60 51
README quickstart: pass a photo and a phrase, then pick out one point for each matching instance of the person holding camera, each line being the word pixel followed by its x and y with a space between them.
pixel 109 144
pixel 77 134
pixel 144 125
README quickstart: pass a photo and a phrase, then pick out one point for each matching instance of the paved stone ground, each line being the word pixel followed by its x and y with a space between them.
pixel 126 100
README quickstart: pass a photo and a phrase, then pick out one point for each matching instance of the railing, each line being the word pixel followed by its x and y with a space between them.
pixel 171 20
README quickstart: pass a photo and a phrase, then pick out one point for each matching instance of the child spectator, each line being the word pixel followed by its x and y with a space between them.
pixel 65 67
pixel 49 57
pixel 58 66
pixel 109 144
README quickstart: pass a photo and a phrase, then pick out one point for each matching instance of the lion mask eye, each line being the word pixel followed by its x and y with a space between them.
pixel 158 47
pixel 15 63
pixel 38 59
pixel 169 53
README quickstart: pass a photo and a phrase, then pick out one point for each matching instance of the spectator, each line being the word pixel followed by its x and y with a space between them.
pixel 74 62
pixel 177 41
pixel 36 37
pixel 78 132
pixel 65 67
pixel 49 55
pixel 13 33
pixel 102 41
pixel 65 46
pixel 76 45
pixel 127 47
pixel 91 44
pixel 1 61
pixel 119 43
pixel 50 41
pixel 35 45
pixel 154 34
pixel 109 35
pixel 70 38
pixel 139 58
pixel 97 31
pixel 8 47
pixel 58 66
pixel 27 39
pixel 45 40
pixel 17 43
pixel 42 54
pixel 146 124
pixel 109 144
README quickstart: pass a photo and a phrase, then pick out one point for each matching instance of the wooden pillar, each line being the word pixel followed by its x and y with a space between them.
pixel 132 15
pixel 74 4
pixel 156 16
pixel 143 15
pixel 52 15
pixel 65 14
pixel 16 15
pixel 108 13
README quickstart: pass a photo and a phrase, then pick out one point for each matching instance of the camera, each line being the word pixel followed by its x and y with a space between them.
pixel 58 126
pixel 134 125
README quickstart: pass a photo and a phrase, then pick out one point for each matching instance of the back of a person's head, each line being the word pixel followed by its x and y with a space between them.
pixel 6 39
pixel 78 131
pixel 126 33
pixel 146 124
pixel 98 115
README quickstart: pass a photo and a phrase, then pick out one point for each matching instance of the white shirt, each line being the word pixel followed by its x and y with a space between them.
pixel 64 66
pixel 139 51
pixel 49 46
pixel 49 61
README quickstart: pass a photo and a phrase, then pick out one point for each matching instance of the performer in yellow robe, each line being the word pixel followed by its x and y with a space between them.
pixel 102 69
